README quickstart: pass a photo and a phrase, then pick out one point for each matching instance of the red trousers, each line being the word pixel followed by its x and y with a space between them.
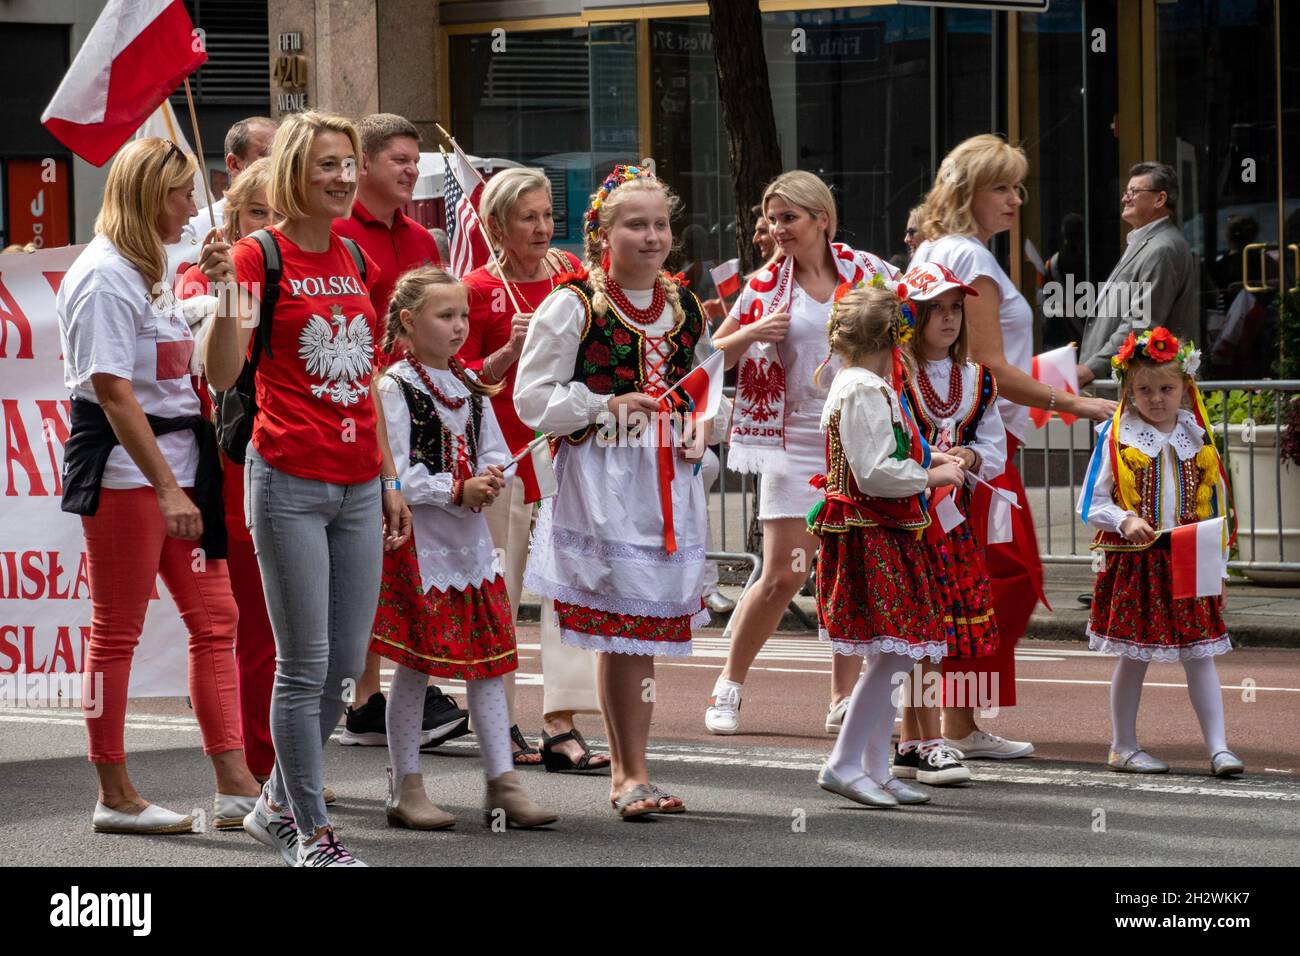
pixel 1016 577
pixel 255 642
pixel 127 548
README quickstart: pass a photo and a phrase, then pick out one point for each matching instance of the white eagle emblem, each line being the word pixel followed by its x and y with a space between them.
pixel 341 356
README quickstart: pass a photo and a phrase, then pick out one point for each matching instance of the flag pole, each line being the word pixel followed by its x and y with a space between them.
pixel 198 149
pixel 481 225
pixel 978 480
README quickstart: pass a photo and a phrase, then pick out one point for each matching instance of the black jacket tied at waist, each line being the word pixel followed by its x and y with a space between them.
pixel 92 440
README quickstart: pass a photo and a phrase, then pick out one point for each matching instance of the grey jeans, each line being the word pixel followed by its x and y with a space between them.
pixel 320 550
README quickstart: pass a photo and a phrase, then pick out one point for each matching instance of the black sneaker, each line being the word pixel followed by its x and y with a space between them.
pixel 939 767
pixel 364 725
pixel 905 765
pixel 443 720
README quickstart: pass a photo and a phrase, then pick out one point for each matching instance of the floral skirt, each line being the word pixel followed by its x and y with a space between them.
pixel 461 635
pixel 972 624
pixel 1135 614
pixel 878 593
pixel 614 633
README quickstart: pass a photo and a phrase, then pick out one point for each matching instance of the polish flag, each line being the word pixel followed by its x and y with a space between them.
pixel 945 510
pixel 726 278
pixel 1199 555
pixel 136 54
pixel 1060 369
pixel 999 528
pixel 703 385
pixel 537 470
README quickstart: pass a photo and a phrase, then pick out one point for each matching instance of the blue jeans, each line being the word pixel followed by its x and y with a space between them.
pixel 320 550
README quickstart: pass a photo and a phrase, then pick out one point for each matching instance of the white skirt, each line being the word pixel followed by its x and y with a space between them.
pixel 599 542
pixel 786 493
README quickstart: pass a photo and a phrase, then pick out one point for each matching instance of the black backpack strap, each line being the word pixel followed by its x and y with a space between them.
pixel 270 292
pixel 357 257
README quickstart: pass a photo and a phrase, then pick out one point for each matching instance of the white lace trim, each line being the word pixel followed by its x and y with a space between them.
pixel 935 650
pixel 613 603
pixel 1186 438
pixel 1211 647
pixel 590 546
pixel 625 645
pixel 701 618
pixel 462 581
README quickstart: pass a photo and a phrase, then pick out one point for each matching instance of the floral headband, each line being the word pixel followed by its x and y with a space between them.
pixel 1160 346
pixel 621 174
pixel 902 330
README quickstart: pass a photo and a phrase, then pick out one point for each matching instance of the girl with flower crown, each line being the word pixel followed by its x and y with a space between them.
pixel 878 596
pixel 620 547
pixel 1155 468
pixel 776 340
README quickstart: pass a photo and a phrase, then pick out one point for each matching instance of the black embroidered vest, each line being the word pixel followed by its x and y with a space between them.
pixel 969 425
pixel 432 445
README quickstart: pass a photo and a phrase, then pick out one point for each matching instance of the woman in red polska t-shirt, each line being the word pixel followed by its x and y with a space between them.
pixel 311 496
pixel 516 208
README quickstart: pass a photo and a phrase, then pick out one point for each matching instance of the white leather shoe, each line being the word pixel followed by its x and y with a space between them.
pixel 722 716
pixel 835 715
pixel 903 793
pixel 152 819
pixel 861 790
pixel 228 811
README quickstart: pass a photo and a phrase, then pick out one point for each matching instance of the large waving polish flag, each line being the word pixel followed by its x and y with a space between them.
pixel 137 53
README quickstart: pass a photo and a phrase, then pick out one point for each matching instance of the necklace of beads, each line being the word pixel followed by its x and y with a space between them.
pixel 641 316
pixel 942 409
pixel 434 390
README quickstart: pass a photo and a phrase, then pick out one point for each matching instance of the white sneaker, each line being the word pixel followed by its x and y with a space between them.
pixel 835 716
pixel 982 746
pixel 326 851
pixel 274 828
pixel 723 713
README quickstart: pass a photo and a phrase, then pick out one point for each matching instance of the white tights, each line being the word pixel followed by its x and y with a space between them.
pixel 863 742
pixel 1202 688
pixel 489 716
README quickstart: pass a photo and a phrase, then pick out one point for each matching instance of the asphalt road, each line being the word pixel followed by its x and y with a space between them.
pixel 752 798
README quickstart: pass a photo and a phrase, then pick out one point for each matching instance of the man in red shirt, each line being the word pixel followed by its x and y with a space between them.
pixel 390 156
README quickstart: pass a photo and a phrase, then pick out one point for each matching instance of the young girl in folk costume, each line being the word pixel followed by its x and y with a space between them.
pixel 778 339
pixel 877 594
pixel 1154 469
pixel 620 548
pixel 443 607
pixel 953 401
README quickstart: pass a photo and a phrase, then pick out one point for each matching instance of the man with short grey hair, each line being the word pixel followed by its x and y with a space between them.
pixel 1155 282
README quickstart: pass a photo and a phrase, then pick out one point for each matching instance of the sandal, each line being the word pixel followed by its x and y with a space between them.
pixel 557 761
pixel 517 738
pixel 638 794
pixel 661 795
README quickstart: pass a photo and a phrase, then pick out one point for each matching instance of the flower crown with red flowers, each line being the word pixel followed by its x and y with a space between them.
pixel 902 330
pixel 621 174
pixel 1158 345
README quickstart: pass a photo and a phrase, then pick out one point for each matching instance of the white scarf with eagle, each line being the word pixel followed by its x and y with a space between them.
pixel 758 421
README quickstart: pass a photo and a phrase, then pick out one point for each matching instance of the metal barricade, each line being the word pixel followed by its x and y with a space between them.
pixel 1265 488
pixel 735 525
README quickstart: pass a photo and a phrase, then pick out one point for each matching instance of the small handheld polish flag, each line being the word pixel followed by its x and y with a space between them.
pixel 1058 368
pixel 726 277
pixel 1199 556
pixel 999 529
pixel 536 470
pixel 703 386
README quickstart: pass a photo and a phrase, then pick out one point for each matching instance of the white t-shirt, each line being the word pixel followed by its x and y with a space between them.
pixel 108 324
pixel 969 259
pixel 805 348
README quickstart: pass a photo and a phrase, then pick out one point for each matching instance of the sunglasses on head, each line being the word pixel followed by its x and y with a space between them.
pixel 172 150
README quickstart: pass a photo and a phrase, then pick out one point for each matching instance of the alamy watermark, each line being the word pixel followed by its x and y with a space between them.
pixel 70 691
pixel 1070 299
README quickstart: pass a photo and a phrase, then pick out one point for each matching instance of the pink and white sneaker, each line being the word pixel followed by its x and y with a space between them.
pixel 326 851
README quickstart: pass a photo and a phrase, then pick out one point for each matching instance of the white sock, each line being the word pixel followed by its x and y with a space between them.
pixel 723 684
pixel 490 716
pixel 858 747
pixel 1125 695
pixel 925 746
pixel 1207 701
pixel 404 718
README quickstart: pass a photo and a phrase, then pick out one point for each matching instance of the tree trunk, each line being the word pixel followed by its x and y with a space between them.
pixel 746 110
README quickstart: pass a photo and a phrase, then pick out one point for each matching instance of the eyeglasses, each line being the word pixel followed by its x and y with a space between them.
pixel 1131 193
pixel 172 150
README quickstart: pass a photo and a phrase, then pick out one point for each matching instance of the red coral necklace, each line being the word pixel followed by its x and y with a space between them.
pixel 942 409
pixel 640 316
pixel 434 390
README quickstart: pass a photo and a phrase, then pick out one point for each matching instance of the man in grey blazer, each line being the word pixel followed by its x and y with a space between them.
pixel 1156 280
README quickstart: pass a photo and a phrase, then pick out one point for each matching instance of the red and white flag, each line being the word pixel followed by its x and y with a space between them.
pixel 1199 556
pixel 537 470
pixel 136 54
pixel 726 278
pixel 461 188
pixel 945 510
pixel 703 385
pixel 999 527
pixel 1058 368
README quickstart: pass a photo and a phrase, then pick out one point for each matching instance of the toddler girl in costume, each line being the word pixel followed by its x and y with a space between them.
pixel 1154 469
pixel 877 595
pixel 443 607
pixel 954 404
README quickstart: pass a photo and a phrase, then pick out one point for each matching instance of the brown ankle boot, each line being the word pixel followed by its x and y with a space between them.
pixel 409 806
pixel 507 793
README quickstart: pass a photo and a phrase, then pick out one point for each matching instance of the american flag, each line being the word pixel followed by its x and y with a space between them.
pixel 465 239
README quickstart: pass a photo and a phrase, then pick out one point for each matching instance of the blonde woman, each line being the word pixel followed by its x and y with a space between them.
pixel 313 466
pixel 141 469
pixel 516 208
pixel 778 338
pixel 976 195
